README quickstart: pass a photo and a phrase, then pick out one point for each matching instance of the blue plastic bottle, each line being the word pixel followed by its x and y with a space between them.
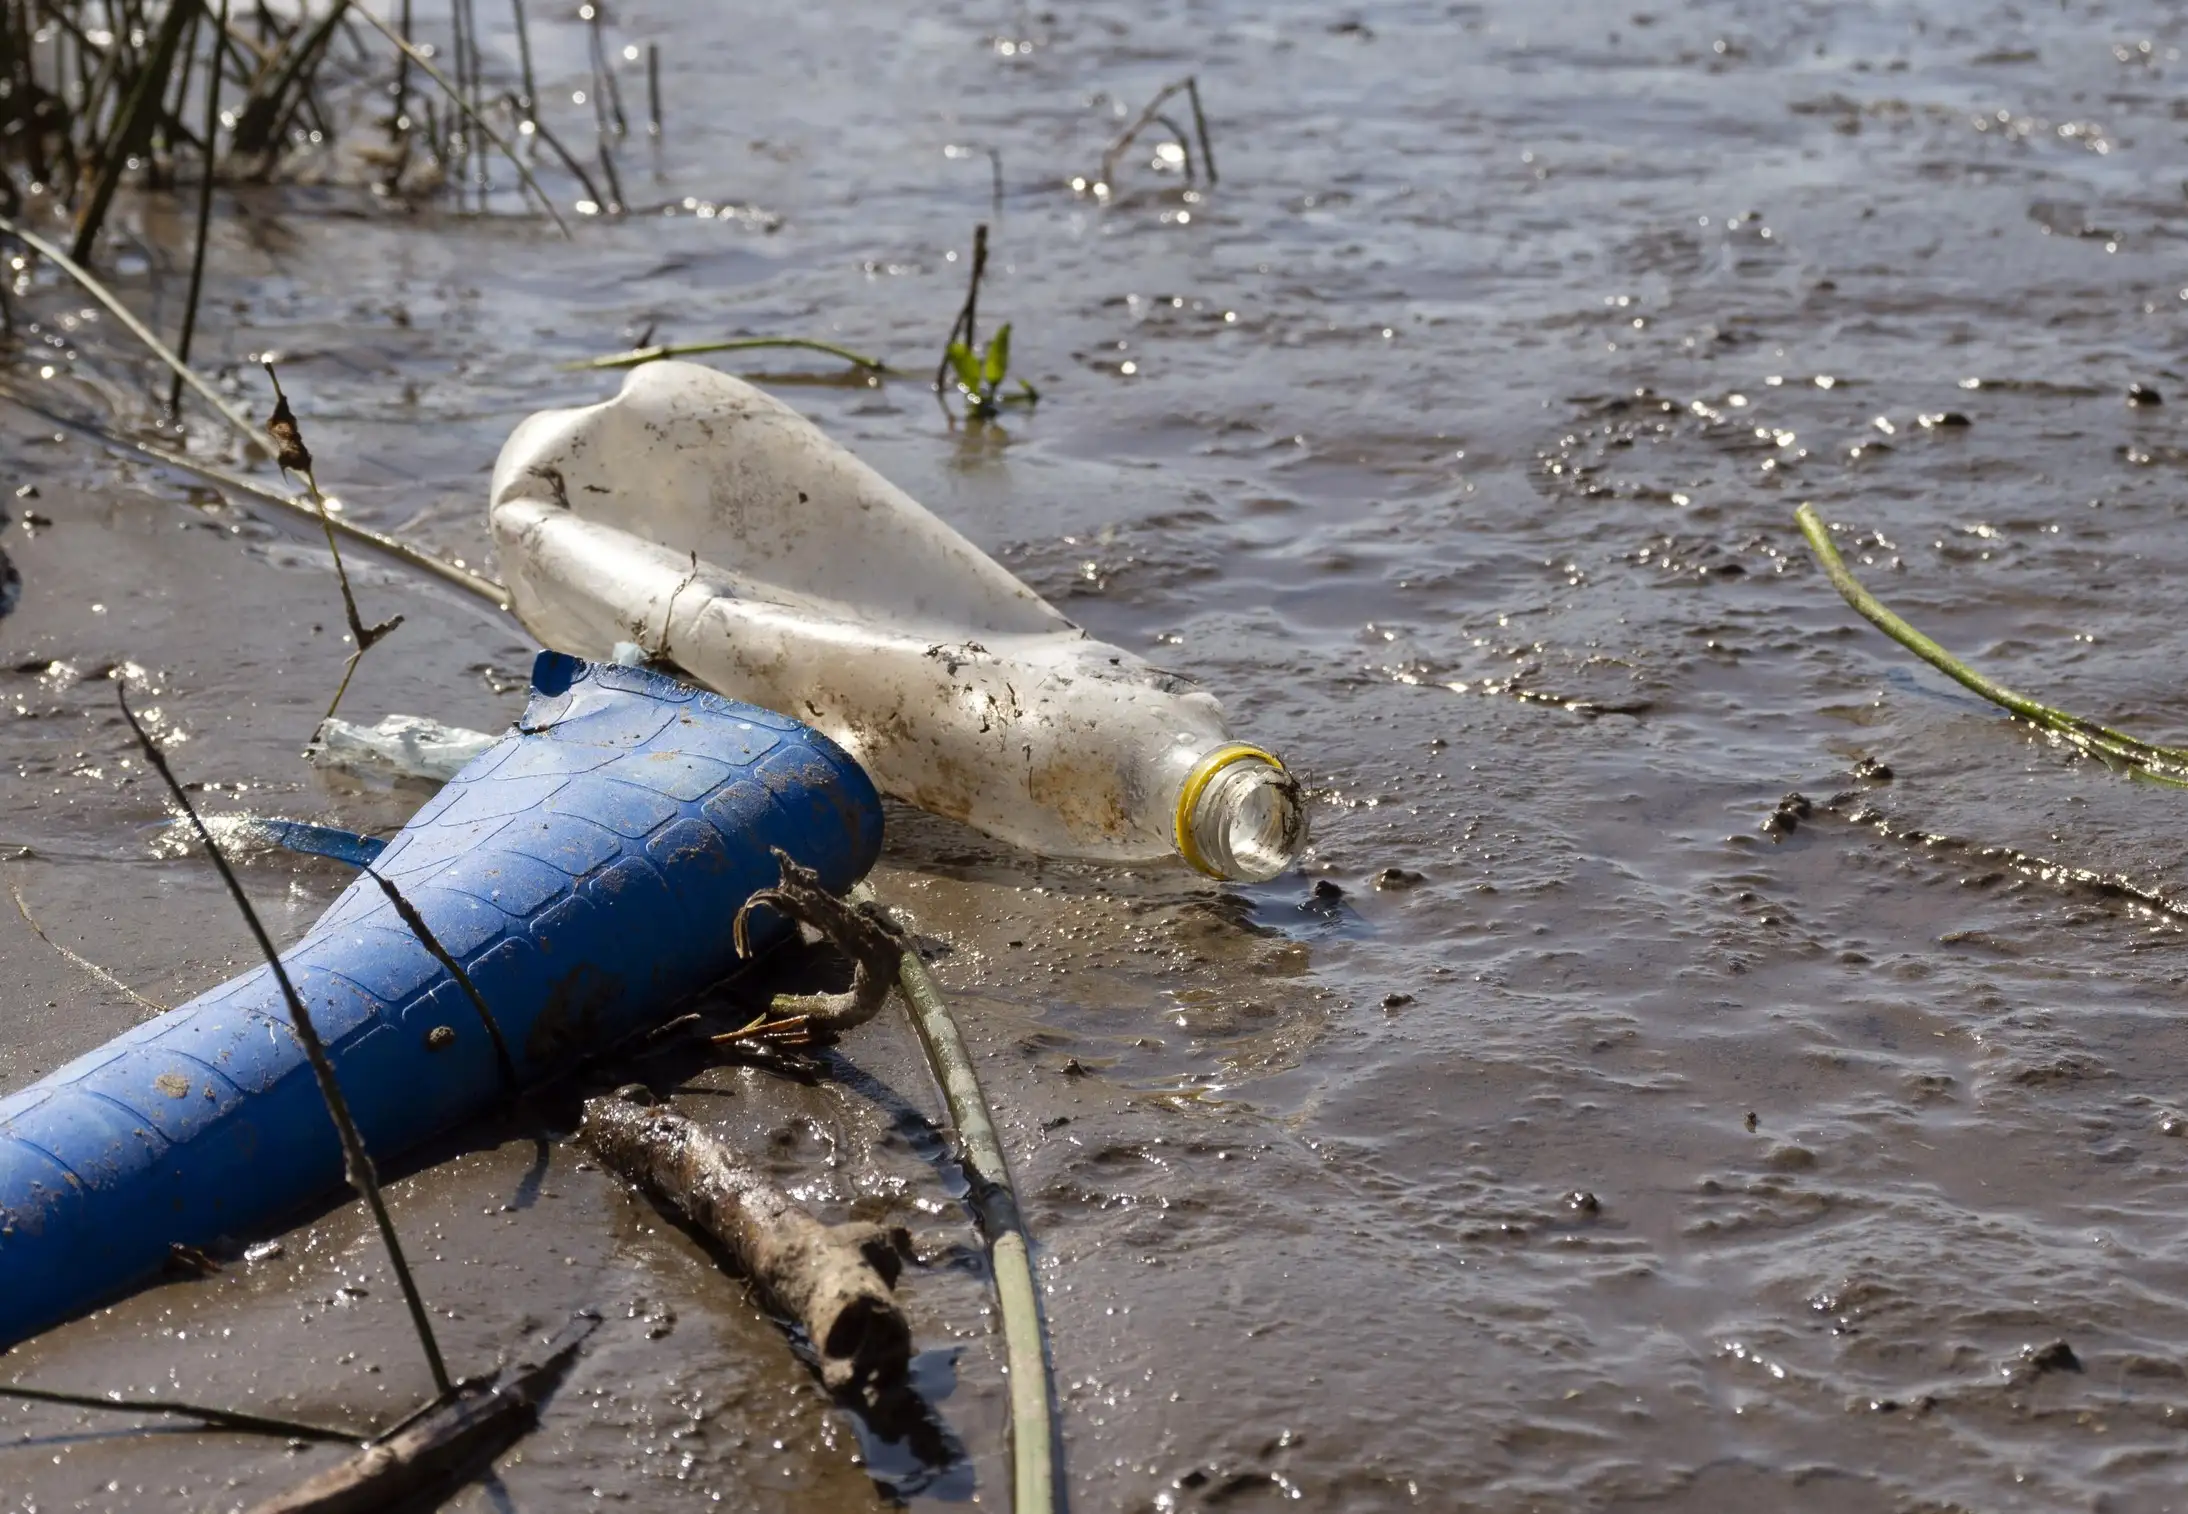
pixel 585 870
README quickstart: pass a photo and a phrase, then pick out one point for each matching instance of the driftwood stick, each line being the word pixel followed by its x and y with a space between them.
pixel 834 1280
pixel 440 1450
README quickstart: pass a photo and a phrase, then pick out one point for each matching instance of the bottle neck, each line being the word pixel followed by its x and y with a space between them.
pixel 1240 815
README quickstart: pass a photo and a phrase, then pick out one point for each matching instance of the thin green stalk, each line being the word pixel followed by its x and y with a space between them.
pixel 995 1203
pixel 355 1159
pixel 221 1419
pixel 2163 763
pixel 137 328
pixel 477 120
pixel 638 355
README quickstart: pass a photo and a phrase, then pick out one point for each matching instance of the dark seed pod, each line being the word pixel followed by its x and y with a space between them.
pixel 291 453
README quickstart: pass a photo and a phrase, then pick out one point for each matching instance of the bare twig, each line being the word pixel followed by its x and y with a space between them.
pixel 1189 86
pixel 1200 127
pixel 834 1280
pixel 80 961
pixel 440 1449
pixel 219 1419
pixel 865 935
pixel 295 457
pixel 356 1160
pixel 432 943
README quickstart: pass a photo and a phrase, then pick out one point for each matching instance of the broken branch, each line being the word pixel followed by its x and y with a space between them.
pixel 833 1280
pixel 442 1448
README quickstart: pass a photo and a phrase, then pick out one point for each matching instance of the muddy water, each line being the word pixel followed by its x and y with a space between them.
pixel 1584 1145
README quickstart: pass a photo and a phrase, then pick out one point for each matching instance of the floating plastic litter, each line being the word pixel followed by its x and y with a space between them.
pixel 584 868
pixel 724 533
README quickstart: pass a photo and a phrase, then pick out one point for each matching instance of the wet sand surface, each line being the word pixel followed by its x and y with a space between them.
pixel 1591 1147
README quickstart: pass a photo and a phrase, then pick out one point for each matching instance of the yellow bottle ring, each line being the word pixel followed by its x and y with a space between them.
pixel 1196 783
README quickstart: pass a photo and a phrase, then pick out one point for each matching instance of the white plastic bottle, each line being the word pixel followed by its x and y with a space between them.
pixel 722 531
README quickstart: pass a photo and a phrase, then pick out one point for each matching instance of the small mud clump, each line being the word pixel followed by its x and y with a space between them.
pixel 1787 817
pixel 2056 1356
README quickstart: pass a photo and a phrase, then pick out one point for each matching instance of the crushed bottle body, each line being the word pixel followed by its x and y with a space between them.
pixel 726 535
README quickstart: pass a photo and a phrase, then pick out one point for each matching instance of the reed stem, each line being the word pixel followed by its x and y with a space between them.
pixel 2163 763
pixel 994 1202
pixel 205 216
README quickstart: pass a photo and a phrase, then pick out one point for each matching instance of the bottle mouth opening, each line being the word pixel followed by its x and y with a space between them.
pixel 1241 817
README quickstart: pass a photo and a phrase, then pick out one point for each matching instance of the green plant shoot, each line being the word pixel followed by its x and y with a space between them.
pixel 981 377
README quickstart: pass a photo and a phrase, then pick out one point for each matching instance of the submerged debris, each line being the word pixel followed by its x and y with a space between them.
pixel 400 746
pixel 1787 817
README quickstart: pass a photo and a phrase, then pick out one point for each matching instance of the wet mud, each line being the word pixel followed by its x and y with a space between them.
pixel 1587 1126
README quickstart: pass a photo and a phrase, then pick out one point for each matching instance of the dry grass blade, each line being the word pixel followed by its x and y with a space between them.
pixel 477 120
pixel 356 1160
pixel 654 354
pixel 210 148
pixel 133 127
pixel 143 333
pixel 83 963
pixel 554 145
pixel 417 557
